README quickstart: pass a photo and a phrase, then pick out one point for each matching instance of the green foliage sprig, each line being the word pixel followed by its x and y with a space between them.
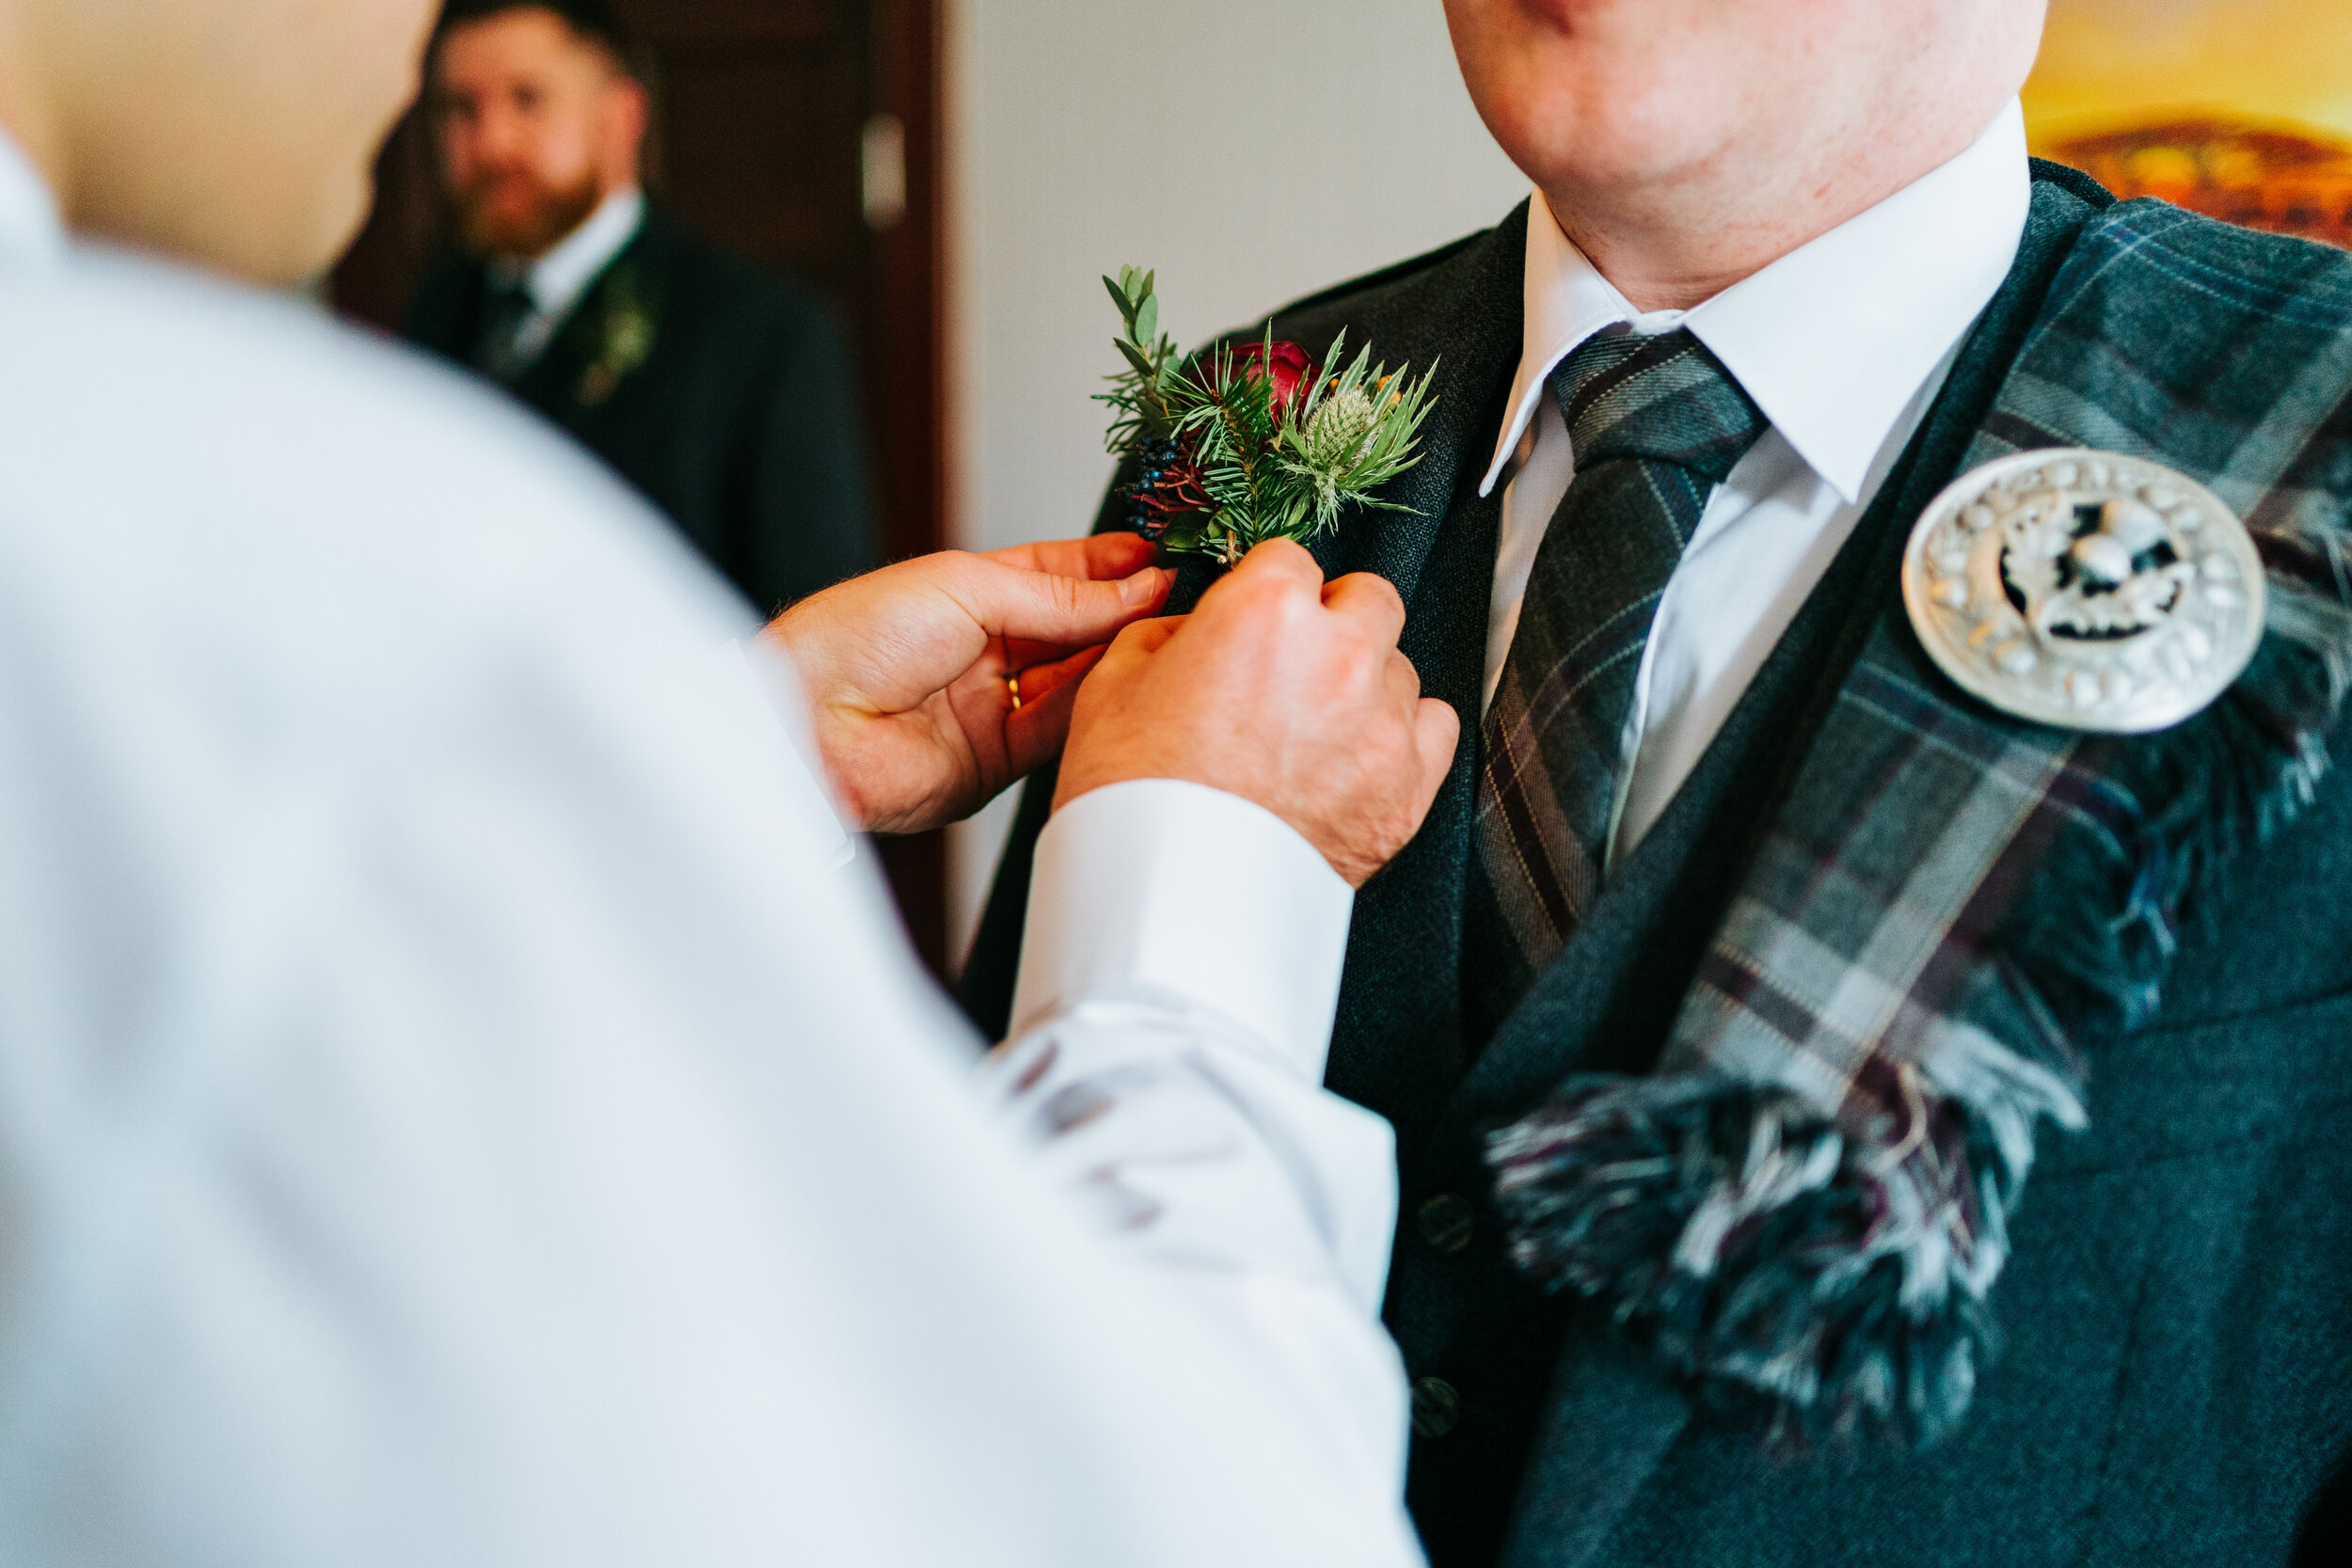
pixel 1258 442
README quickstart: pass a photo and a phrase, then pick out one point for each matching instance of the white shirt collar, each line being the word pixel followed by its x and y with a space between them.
pixel 1834 340
pixel 557 279
pixel 31 231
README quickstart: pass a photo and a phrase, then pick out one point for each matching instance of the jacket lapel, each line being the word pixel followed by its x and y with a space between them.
pixel 1464 318
pixel 448 318
pixel 1397 1042
pixel 554 382
pixel 1461 316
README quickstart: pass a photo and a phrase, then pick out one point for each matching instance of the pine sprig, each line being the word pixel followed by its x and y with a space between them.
pixel 1242 446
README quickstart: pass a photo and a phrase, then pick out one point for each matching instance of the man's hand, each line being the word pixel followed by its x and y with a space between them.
pixel 1282 689
pixel 906 668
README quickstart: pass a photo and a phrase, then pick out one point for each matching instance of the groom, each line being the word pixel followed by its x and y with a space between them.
pixel 1670 1292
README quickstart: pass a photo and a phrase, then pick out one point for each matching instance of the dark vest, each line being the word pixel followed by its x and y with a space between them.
pixel 2174 1384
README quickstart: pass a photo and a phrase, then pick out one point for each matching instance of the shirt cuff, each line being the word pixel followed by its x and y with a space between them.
pixel 1166 887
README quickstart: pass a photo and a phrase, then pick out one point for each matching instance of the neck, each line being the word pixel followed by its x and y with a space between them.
pixel 1676 242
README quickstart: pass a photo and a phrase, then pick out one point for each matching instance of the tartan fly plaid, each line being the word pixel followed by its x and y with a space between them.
pixel 1656 425
pixel 1851 930
pixel 1808 1204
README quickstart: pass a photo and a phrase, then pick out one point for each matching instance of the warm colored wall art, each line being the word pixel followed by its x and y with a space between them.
pixel 2238 108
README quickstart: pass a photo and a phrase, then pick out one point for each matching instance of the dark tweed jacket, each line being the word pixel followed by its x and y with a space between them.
pixel 2176 1385
pixel 740 422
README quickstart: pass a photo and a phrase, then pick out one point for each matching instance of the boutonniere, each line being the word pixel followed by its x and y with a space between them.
pixel 1254 442
pixel 624 337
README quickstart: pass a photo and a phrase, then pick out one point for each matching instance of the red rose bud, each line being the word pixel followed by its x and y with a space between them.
pixel 1285 368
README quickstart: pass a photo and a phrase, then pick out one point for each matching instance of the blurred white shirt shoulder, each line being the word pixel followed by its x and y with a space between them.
pixel 454 1108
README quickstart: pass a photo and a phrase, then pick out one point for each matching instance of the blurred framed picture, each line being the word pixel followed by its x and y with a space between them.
pixel 2241 109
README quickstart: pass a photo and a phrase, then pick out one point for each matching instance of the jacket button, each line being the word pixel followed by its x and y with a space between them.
pixel 1447 1222
pixel 1437 1408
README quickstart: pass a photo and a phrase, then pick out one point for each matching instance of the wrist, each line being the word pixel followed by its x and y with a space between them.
pixel 1169 888
pixel 1086 769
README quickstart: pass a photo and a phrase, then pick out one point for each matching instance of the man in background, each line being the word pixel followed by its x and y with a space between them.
pixel 717 391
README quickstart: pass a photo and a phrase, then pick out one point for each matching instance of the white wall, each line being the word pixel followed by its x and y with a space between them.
pixel 1251 151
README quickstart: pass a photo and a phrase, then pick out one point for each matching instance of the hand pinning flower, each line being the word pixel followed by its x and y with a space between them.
pixel 1253 442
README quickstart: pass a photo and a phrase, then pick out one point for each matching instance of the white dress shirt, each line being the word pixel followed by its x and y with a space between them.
pixel 456 1107
pixel 1843 343
pixel 556 280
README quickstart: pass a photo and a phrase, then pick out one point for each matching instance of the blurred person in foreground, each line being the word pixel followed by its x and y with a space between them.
pixel 463 1098
pixel 717 390
pixel 1842 1117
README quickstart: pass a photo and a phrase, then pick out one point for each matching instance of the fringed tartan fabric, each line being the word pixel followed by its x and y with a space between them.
pixel 1807 1206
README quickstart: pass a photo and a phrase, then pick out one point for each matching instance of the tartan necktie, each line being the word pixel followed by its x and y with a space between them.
pixel 1654 424
pixel 504 309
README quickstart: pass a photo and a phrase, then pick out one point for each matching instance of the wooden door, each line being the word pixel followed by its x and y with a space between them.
pixel 803 134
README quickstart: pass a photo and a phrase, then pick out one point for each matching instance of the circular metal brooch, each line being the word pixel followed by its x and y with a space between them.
pixel 2085 589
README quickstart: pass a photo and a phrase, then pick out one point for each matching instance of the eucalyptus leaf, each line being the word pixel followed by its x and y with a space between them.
pixel 1135 358
pixel 1147 323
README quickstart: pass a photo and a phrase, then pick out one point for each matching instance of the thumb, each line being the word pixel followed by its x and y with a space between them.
pixel 1044 607
pixel 1437 732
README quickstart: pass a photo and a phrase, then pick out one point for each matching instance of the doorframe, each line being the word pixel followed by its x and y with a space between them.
pixel 907 400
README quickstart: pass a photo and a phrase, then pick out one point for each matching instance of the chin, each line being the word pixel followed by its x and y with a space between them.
pixel 1596 92
pixel 508 236
pixel 1567 126
pixel 1587 151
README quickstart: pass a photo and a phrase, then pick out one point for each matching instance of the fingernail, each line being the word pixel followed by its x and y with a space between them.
pixel 1143 587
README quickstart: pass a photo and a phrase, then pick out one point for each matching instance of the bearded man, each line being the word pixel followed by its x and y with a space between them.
pixel 719 391
pixel 1822 857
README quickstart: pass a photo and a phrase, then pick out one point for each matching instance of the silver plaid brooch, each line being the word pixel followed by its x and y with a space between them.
pixel 2085 589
